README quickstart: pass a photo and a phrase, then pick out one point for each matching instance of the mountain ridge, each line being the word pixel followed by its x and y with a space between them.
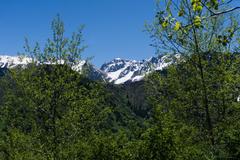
pixel 117 71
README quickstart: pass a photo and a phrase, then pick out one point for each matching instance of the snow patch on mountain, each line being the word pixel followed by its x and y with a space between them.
pixel 79 66
pixel 120 70
pixel 117 71
pixel 13 61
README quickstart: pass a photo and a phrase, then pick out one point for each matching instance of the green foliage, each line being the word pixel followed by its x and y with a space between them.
pixel 50 107
pixel 187 111
pixel 200 90
pixel 59 49
pixel 180 93
pixel 204 25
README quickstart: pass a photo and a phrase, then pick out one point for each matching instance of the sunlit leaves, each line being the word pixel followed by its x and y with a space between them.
pixel 177 26
pixel 197 22
pixel 165 24
pixel 180 25
pixel 197 5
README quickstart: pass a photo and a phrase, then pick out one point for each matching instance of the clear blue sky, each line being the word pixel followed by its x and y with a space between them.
pixel 113 28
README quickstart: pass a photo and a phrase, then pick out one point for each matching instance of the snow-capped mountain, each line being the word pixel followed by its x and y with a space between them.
pixel 120 71
pixel 117 71
pixel 13 61
pixel 20 61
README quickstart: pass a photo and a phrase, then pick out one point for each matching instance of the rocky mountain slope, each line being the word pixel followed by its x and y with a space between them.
pixel 120 71
pixel 117 71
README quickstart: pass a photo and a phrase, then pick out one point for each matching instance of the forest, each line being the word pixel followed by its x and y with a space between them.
pixel 189 110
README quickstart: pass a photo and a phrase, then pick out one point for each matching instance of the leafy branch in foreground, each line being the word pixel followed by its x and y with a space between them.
pixel 205 33
pixel 59 49
pixel 186 26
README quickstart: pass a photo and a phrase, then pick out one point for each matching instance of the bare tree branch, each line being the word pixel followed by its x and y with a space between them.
pixel 227 11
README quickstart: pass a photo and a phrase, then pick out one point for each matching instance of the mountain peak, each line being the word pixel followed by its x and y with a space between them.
pixel 117 71
pixel 117 59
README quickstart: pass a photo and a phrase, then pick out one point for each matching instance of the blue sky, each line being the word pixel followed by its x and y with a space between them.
pixel 113 28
